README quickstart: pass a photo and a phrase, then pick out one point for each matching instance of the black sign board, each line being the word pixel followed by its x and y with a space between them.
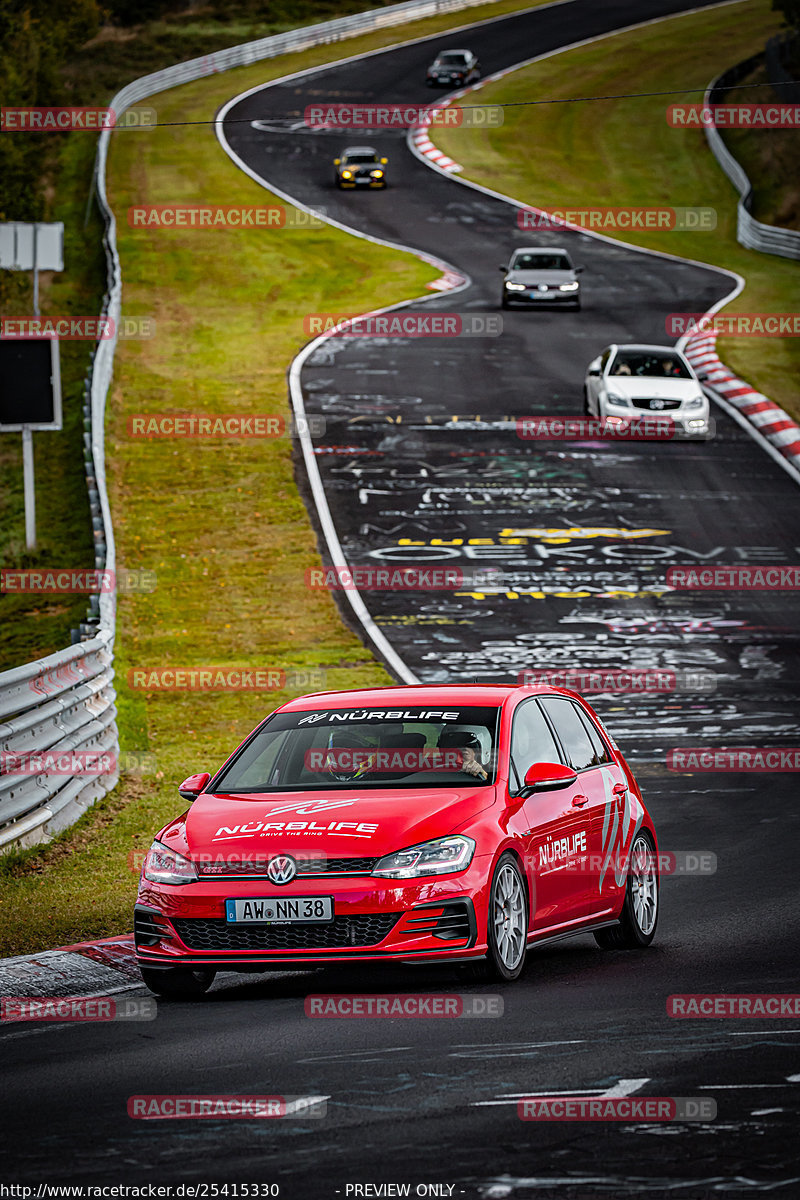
pixel 30 384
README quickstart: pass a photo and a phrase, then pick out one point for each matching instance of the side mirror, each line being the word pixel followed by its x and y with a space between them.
pixel 191 788
pixel 503 268
pixel 547 777
pixel 384 161
pixel 578 270
pixel 594 371
pixel 702 377
pixel 336 162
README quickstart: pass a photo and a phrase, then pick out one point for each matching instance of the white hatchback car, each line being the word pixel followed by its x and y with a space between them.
pixel 631 381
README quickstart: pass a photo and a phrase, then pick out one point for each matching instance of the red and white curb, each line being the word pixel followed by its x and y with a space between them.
pixel 420 137
pixel 763 414
pixel 85 969
pixel 450 279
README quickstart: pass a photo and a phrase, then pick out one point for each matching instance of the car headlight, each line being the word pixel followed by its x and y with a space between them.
pixel 376 174
pixel 696 402
pixel 620 401
pixel 162 865
pixel 441 856
pixel 569 287
pixel 515 287
pixel 347 174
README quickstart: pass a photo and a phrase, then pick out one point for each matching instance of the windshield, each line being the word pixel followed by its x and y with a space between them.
pixel 647 364
pixel 367 748
pixel 541 262
pixel 363 157
pixel 452 60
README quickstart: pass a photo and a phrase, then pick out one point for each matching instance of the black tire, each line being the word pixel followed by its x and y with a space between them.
pixel 178 983
pixel 634 933
pixel 504 303
pixel 577 306
pixel 586 407
pixel 505 962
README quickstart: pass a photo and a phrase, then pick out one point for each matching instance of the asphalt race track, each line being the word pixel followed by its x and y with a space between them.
pixel 431 452
pixel 421 441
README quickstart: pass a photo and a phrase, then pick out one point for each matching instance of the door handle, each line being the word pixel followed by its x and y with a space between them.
pixel 619 789
pixel 579 801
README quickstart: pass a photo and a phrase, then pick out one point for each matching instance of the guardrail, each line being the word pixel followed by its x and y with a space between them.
pixel 57 706
pixel 65 702
pixel 753 234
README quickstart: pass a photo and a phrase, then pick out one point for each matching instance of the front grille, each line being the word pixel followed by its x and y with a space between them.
pixel 257 868
pixel 656 405
pixel 366 929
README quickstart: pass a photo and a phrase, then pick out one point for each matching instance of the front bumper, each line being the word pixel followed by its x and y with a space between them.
pixel 524 299
pixel 685 425
pixel 375 920
pixel 363 184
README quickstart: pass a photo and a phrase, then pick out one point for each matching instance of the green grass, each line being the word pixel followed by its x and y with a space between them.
pixel 220 522
pixel 622 152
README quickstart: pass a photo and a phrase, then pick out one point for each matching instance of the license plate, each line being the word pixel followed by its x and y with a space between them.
pixel 284 911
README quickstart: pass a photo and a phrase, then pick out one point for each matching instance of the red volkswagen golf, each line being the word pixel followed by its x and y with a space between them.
pixel 415 824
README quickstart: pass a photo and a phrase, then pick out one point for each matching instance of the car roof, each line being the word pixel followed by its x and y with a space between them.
pixel 645 348
pixel 416 695
pixel 359 150
pixel 453 50
pixel 541 250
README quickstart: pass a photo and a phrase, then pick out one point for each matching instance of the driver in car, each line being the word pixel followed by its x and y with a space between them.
pixel 469 746
pixel 349 758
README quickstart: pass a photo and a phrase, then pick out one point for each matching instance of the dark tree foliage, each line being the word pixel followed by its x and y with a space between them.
pixel 790 10
pixel 36 37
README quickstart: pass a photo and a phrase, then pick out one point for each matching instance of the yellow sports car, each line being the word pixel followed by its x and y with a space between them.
pixel 360 167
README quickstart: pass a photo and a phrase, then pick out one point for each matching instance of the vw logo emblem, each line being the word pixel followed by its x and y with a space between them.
pixel 282 869
pixel 542 287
